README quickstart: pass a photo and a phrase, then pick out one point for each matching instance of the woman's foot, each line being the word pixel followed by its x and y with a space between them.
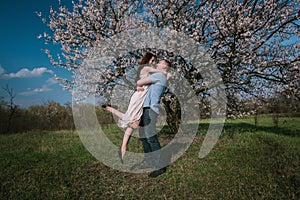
pixel 123 151
pixel 120 156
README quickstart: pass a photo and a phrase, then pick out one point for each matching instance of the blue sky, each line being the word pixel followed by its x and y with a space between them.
pixel 23 65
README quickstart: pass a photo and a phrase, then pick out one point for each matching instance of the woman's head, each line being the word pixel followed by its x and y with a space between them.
pixel 148 58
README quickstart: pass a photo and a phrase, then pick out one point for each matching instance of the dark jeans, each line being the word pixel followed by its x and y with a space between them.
pixel 149 138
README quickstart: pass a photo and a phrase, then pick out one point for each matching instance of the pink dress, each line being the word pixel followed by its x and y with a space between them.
pixel 135 107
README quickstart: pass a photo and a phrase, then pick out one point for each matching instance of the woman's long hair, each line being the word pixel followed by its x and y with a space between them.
pixel 145 60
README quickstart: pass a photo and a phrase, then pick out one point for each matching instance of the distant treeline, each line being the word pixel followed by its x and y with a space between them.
pixel 53 116
pixel 49 116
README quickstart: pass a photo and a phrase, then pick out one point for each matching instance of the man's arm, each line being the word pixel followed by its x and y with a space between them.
pixel 144 81
pixel 153 70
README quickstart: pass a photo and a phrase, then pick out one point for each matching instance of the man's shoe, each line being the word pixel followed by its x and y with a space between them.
pixel 156 173
pixel 105 105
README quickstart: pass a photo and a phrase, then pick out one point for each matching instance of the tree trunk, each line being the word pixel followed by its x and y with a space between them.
pixel 173 113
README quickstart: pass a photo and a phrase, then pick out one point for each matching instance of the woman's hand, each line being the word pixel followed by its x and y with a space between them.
pixel 168 76
pixel 139 89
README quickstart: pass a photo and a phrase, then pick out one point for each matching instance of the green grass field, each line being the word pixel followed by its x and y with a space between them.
pixel 248 162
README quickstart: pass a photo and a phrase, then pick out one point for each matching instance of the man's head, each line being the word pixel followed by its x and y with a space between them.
pixel 163 64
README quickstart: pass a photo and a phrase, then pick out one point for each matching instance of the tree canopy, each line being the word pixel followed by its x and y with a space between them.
pixel 254 43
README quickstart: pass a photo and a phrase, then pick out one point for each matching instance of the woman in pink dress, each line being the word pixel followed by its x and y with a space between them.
pixel 131 118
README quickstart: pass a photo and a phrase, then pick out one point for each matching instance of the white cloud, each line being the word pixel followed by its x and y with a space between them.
pixel 44 88
pixel 36 90
pixel 51 81
pixel 26 73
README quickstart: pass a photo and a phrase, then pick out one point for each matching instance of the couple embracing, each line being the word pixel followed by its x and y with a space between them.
pixel 143 110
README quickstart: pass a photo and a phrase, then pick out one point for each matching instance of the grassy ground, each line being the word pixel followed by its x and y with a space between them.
pixel 248 162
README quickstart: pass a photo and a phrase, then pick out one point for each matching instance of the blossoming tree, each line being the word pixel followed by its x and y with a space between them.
pixel 253 42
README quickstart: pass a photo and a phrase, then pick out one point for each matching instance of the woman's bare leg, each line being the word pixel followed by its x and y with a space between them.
pixel 126 138
pixel 135 124
pixel 115 112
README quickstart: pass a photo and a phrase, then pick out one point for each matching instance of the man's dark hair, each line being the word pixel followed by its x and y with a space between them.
pixel 167 62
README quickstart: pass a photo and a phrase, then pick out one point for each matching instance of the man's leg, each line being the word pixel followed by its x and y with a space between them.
pixel 150 131
pixel 151 139
pixel 146 146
